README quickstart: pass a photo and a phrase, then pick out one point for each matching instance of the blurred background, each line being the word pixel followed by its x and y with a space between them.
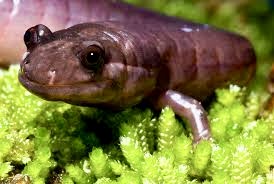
pixel 251 18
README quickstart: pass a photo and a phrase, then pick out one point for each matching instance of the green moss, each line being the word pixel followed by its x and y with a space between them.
pixel 56 142
pixel 78 175
pixel 48 140
pixel 201 158
pixel 5 168
pixel 99 163
pixel 169 129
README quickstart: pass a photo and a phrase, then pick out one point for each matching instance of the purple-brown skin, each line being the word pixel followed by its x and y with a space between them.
pixel 16 16
pixel 142 57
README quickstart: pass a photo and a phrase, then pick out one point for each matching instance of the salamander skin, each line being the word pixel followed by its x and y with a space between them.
pixel 16 16
pixel 116 64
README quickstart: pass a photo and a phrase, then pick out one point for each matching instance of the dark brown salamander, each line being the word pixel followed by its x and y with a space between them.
pixel 153 58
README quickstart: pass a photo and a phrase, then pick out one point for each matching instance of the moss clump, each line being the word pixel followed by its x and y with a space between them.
pixel 57 142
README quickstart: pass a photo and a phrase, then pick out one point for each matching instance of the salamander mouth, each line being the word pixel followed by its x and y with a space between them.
pixel 78 93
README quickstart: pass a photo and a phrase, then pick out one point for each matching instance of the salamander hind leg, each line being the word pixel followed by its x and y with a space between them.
pixel 188 108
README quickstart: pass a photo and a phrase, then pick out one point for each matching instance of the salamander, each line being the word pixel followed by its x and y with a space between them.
pixel 140 57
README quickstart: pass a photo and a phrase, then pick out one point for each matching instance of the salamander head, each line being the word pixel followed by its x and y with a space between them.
pixel 79 65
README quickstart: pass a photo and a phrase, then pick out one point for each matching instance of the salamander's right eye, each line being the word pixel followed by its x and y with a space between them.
pixel 92 57
pixel 34 35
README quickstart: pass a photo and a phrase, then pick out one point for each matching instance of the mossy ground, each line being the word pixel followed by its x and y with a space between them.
pixel 53 142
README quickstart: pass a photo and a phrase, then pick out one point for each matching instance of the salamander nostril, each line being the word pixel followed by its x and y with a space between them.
pixel 25 61
pixel 25 55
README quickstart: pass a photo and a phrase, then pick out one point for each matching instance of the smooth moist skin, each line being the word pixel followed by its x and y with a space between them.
pixel 118 64
pixel 18 15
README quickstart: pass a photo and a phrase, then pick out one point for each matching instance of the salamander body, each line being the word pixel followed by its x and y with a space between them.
pixel 117 64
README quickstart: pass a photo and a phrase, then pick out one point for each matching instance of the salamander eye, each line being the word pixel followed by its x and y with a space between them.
pixel 92 57
pixel 34 35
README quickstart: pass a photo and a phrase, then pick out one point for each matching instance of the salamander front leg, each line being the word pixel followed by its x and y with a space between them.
pixel 188 108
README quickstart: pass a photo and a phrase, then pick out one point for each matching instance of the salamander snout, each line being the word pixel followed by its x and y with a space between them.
pixel 35 35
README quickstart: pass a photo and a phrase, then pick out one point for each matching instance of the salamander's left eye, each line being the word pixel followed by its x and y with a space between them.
pixel 34 35
pixel 92 57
